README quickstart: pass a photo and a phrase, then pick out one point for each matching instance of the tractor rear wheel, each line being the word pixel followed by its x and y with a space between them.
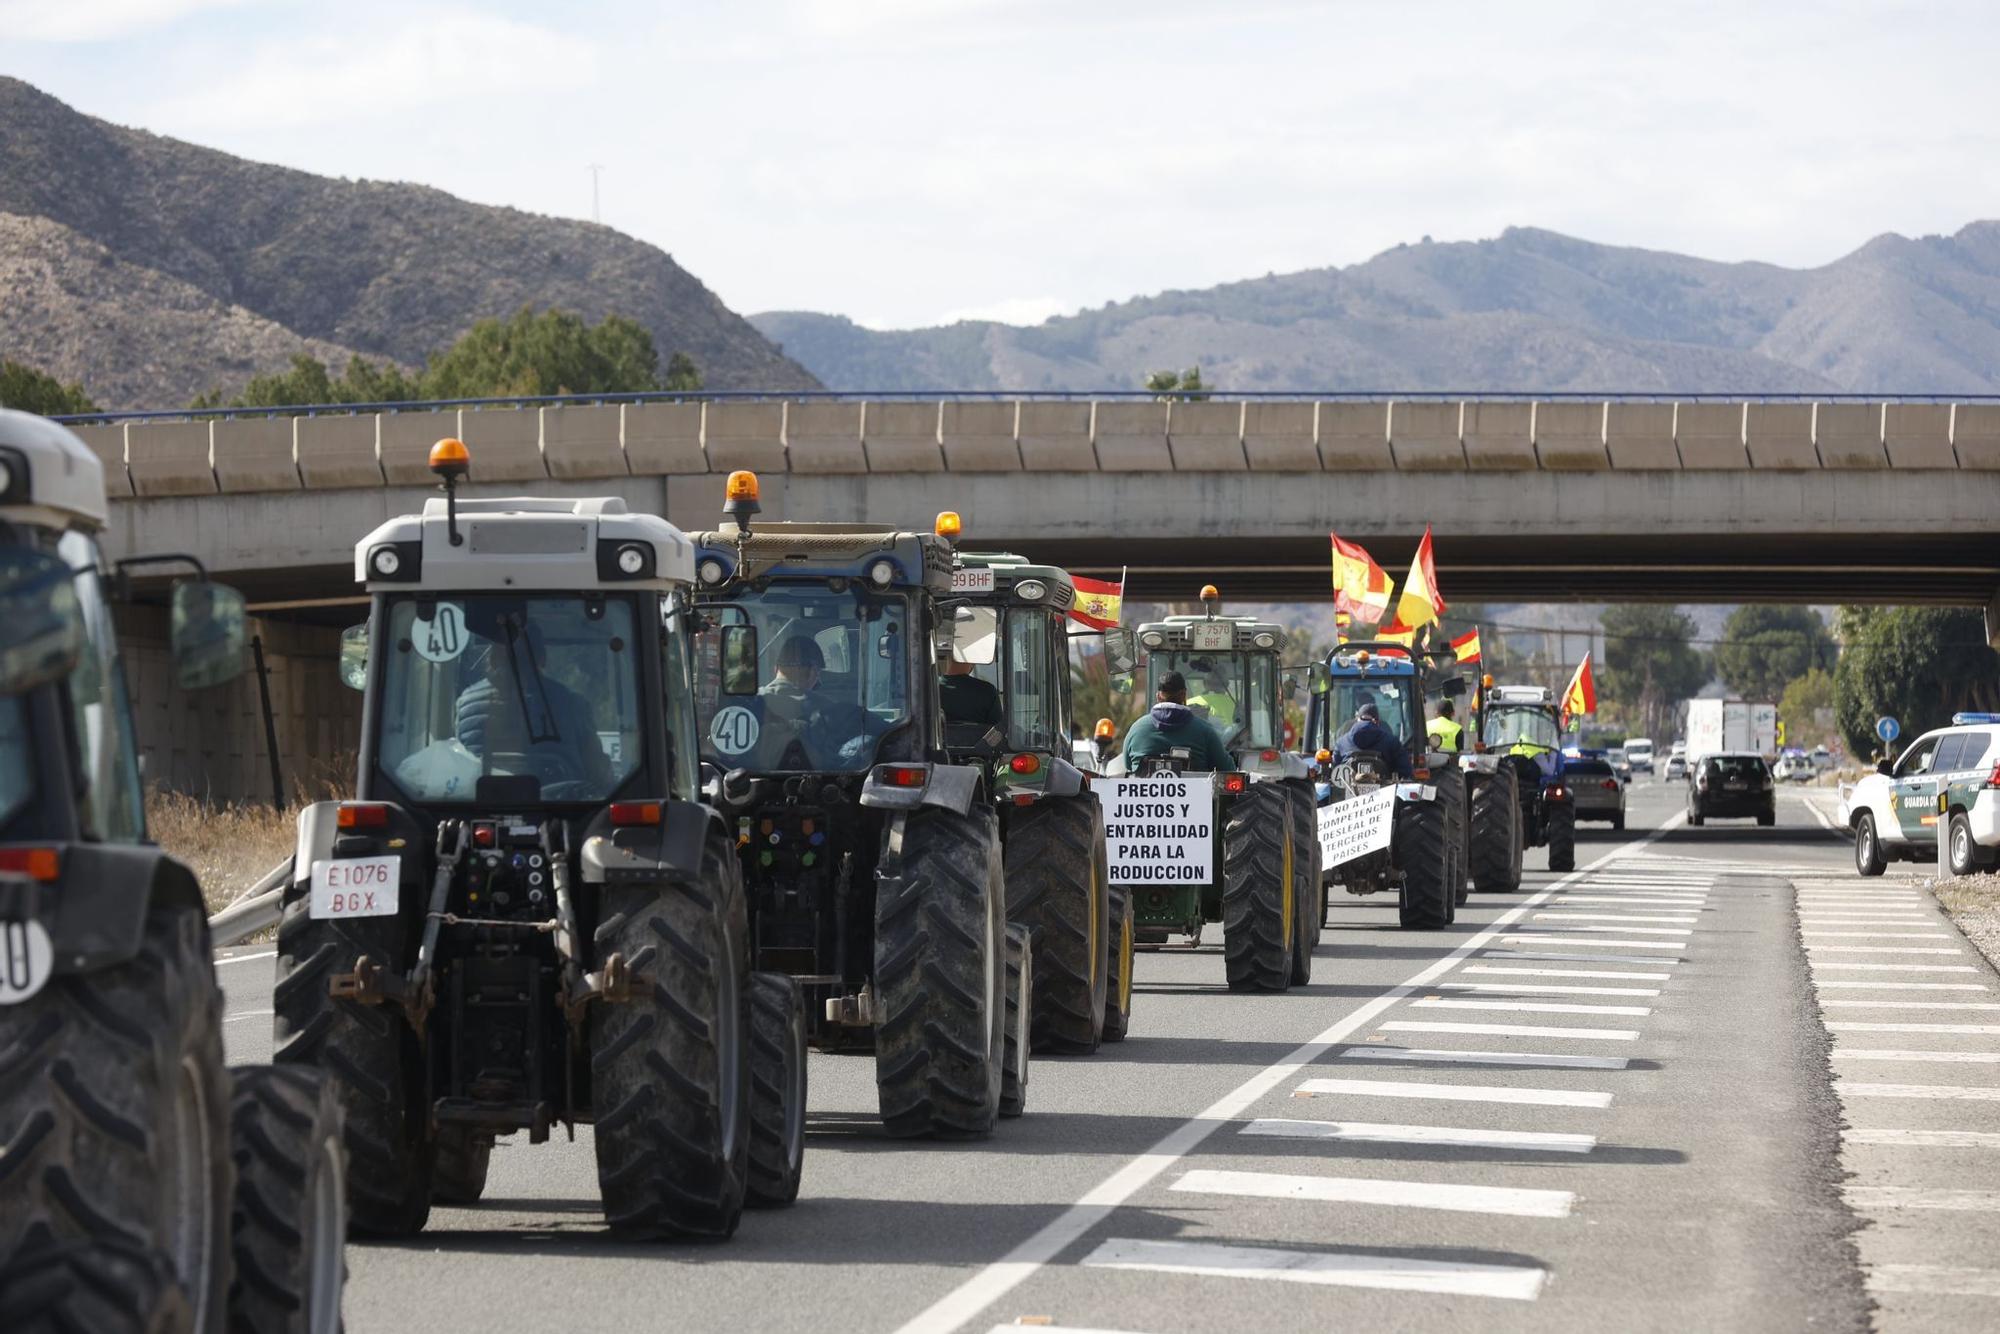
pixel 1451 792
pixel 290 1217
pixel 1118 973
pixel 1423 852
pixel 1496 832
pixel 669 1067
pixel 1259 885
pixel 940 974
pixel 1562 837
pixel 1308 914
pixel 777 1090
pixel 1055 861
pixel 1020 1005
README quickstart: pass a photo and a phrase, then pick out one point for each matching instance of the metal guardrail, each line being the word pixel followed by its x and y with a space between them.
pixel 256 909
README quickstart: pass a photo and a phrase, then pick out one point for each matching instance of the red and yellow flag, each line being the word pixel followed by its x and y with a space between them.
pixel 1397 633
pixel 1466 646
pixel 1360 586
pixel 1098 602
pixel 1421 603
pixel 1581 697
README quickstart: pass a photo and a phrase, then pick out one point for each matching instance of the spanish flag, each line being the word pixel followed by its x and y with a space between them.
pixel 1421 603
pixel 1397 633
pixel 1360 586
pixel 1466 646
pixel 1098 602
pixel 1581 697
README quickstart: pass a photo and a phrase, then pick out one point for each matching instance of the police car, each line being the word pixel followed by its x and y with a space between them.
pixel 1951 775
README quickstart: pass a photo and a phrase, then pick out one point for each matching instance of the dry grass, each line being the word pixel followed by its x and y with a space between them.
pixel 1974 904
pixel 228 846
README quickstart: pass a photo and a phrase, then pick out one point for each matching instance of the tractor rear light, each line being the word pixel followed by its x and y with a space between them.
pixel 43 864
pixel 625 813
pixel 1420 773
pixel 1268 756
pixel 904 775
pixel 1025 764
pixel 362 815
pixel 1024 799
pixel 1234 782
pixel 1558 792
pixel 484 835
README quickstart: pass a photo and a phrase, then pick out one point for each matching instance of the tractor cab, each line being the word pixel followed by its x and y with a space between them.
pixel 1231 665
pixel 1520 728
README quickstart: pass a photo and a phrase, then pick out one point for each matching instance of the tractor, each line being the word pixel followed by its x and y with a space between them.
pixel 1265 887
pixel 871 853
pixel 526 914
pixel 1522 728
pixel 143 1185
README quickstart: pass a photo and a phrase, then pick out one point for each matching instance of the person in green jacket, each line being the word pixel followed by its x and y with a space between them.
pixel 1173 726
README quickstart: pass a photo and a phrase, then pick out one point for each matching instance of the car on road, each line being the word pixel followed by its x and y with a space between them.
pixel 1621 763
pixel 1639 753
pixel 1599 792
pixel 1947 774
pixel 1677 767
pixel 1732 785
pixel 1794 767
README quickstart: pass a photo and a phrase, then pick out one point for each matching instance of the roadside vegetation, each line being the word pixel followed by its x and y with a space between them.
pixel 1974 904
pixel 228 845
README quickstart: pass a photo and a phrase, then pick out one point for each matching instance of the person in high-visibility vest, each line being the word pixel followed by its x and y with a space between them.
pixel 1444 730
pixel 1215 702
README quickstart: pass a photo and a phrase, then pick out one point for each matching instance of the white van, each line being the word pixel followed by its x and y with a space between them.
pixel 1639 754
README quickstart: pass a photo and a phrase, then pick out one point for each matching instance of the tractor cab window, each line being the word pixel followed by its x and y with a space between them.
pixel 514 686
pixel 1236 692
pixel 1020 689
pixel 112 804
pixel 1522 727
pixel 1390 695
pixel 17 769
pixel 830 679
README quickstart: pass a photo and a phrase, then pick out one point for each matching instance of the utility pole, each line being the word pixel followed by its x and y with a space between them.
pixel 596 213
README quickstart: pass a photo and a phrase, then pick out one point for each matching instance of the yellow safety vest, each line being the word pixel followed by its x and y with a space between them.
pixel 1220 706
pixel 1448 731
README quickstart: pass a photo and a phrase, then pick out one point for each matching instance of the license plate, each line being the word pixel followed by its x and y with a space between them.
pixel 1212 637
pixel 27 958
pixel 355 887
pixel 1736 787
pixel 972 581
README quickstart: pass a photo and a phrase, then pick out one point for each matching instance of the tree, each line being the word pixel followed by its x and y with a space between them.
pixel 1807 710
pixel 1184 385
pixel 30 390
pixel 1764 647
pixel 553 352
pixel 683 376
pixel 308 381
pixel 1918 665
pixel 1650 662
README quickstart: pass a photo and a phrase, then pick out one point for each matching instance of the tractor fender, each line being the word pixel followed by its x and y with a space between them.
pixel 95 911
pixel 1065 779
pixel 670 850
pixel 955 787
pixel 1416 792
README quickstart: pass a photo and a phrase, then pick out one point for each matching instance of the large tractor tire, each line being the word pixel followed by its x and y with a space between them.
pixel 940 975
pixel 290 1217
pixel 777 1090
pixel 370 1053
pixel 1496 832
pixel 1424 854
pixel 458 1166
pixel 670 1067
pixel 1451 789
pixel 1308 914
pixel 1020 1008
pixel 1562 837
pixel 1056 875
pixel 1259 889
pixel 1119 946
pixel 114 1143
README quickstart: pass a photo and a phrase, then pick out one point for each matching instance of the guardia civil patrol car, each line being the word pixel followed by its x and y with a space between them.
pixel 1950 776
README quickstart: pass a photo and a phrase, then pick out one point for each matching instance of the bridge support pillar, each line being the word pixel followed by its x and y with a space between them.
pixel 1993 619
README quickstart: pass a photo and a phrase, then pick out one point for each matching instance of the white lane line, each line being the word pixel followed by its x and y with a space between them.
pixel 1598 944
pixel 1393 1088
pixel 1910 1054
pixel 996 1279
pixel 1880 949
pixel 1528 1007
pixel 1613 917
pixel 1908 1005
pixel 1850 1088
pixel 246 1014
pixel 1515 1203
pixel 1460 1137
pixel 1948 1280
pixel 1898 967
pixel 245 958
pixel 1548 988
pixel 1027 1323
pixel 1623 900
pixel 1567 972
pixel 1913 1197
pixel 1850 1026
pixel 1811 936
pixel 1566 1062
pixel 1354 1269
pixel 1583 939
pixel 1543 956
pixel 1901 986
pixel 1924 1139
pixel 1511 1030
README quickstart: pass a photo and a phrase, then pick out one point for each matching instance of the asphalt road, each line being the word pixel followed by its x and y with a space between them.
pixel 1603 1102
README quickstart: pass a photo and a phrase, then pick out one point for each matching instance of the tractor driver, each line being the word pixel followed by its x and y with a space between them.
pixel 516 707
pixel 1172 726
pixel 1215 702
pixel 794 707
pixel 1367 734
pixel 967 699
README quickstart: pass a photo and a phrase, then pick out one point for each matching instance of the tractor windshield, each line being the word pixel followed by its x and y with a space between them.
pixel 1018 696
pixel 514 686
pixel 1390 696
pixel 831 678
pixel 1236 692
pixel 1523 726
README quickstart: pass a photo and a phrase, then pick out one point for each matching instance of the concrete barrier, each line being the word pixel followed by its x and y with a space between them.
pixel 108 443
pixel 404 441
pixel 1354 437
pixel 824 437
pixel 1132 437
pixel 1424 437
pixel 1975 435
pixel 336 452
pixel 744 435
pixel 980 437
pixel 1779 435
pixel 1849 435
pixel 1918 435
pixel 1710 435
pixel 1570 436
pixel 1640 436
pixel 1055 437
pixel 901 437
pixel 1281 437
pixel 584 440
pixel 1206 437
pixel 1498 437
pixel 254 454
pixel 169 459
pixel 506 444
pixel 664 439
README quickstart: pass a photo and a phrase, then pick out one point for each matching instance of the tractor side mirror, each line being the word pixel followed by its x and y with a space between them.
pixel 209 630
pixel 1318 679
pixel 739 660
pixel 975 635
pixel 1885 768
pixel 1120 650
pixel 354 656
pixel 1452 687
pixel 41 624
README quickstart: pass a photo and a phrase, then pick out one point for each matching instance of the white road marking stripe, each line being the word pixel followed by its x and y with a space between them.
pixel 1582 931
pixel 1903 986
pixel 1339 1269
pixel 1392 1088
pixel 1543 956
pixel 246 1014
pixel 1528 1007
pixel 1924 1139
pixel 1879 949
pixel 1485 1057
pixel 1565 972
pixel 1378 1190
pixel 1906 1054
pixel 1026 1323
pixel 1539 988
pixel 1911 1197
pixel 1909 1005
pixel 1462 1137
pixel 1849 1026
pixel 1511 1030
pixel 1611 917
pixel 1597 944
pixel 245 958
pixel 1874 935
pixel 1850 1088
pixel 1693 905
pixel 1899 967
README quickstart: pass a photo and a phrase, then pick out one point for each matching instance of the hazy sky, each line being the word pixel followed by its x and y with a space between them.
pixel 911 161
